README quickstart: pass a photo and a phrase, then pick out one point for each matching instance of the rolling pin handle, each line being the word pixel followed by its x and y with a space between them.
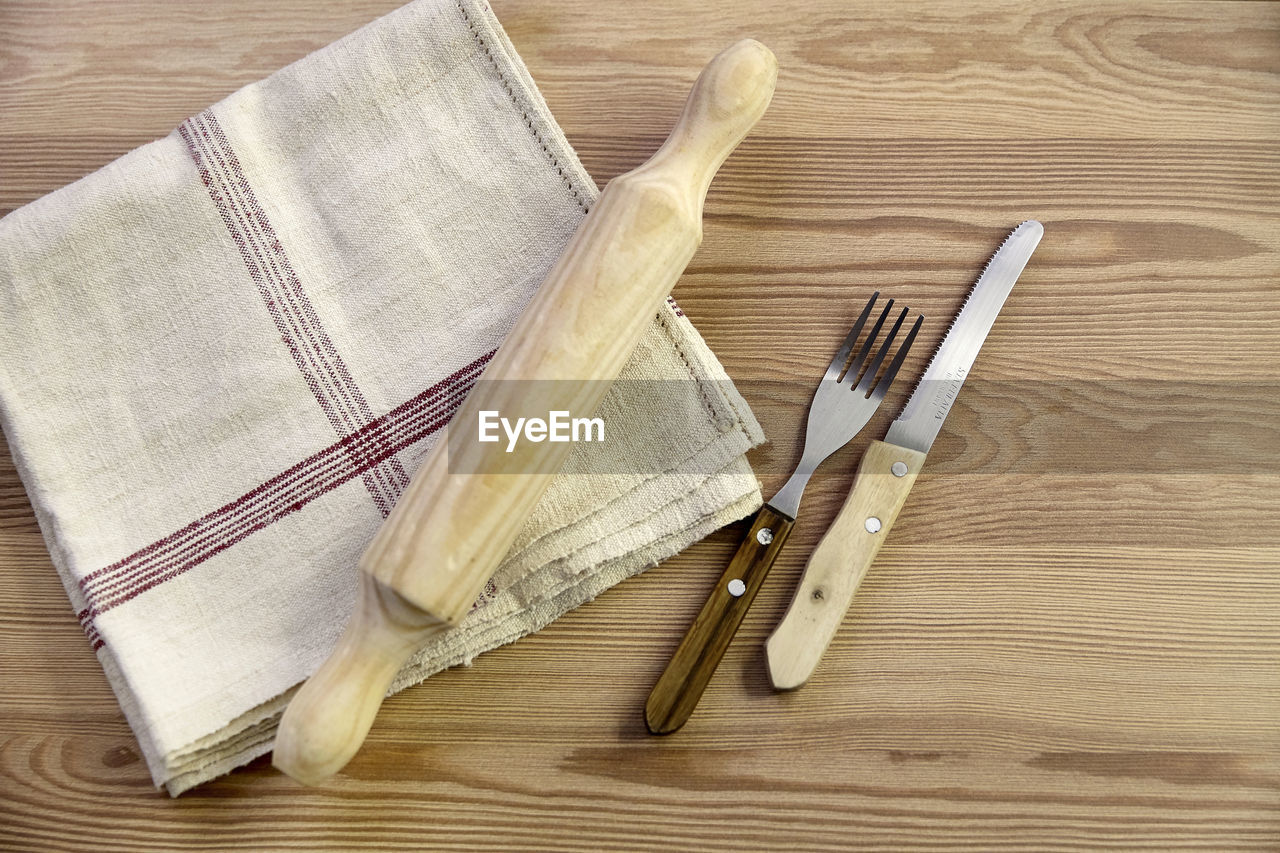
pixel 329 717
pixel 728 98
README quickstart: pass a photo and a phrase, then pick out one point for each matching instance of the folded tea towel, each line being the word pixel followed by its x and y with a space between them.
pixel 222 356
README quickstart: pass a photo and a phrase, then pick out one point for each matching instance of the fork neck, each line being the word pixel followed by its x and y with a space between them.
pixel 787 499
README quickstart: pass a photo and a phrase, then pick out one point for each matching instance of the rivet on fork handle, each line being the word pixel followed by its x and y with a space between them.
pixel 678 689
pixel 847 396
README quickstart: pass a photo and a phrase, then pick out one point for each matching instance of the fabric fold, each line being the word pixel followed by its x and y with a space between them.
pixel 223 355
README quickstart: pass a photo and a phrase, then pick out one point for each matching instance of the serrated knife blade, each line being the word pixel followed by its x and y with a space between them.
pixel 927 407
pixel 886 473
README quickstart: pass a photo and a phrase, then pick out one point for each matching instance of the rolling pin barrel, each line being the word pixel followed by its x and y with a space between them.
pixel 464 507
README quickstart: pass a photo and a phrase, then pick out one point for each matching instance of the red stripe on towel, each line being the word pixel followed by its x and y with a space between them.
pixel 285 493
pixel 313 351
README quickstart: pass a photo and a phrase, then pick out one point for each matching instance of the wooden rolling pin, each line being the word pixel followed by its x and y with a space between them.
pixel 459 516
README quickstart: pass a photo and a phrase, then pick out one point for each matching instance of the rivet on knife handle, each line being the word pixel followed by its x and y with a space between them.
pixel 676 694
pixel 887 472
pixel 840 561
pixel 451 528
pixel 847 397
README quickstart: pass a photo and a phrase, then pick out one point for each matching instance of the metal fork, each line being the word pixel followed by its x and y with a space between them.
pixel 847 397
pixel 835 415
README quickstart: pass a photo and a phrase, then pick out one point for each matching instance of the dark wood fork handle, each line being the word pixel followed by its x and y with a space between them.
pixel 676 694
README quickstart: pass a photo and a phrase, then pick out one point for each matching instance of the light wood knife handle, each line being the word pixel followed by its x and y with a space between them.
pixel 468 500
pixel 836 567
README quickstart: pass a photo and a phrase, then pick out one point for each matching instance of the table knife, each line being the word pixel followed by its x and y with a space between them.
pixel 847 397
pixel 886 473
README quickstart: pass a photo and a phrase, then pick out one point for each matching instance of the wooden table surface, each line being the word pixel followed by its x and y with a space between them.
pixel 1072 637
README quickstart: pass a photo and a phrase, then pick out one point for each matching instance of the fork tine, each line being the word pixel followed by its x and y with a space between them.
pixel 869 378
pixel 842 355
pixel 892 370
pixel 859 361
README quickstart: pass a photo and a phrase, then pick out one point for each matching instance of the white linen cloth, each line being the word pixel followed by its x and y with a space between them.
pixel 222 356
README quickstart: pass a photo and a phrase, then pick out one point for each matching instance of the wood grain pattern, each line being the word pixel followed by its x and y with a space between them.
pixel 840 561
pixel 685 677
pixel 1062 647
